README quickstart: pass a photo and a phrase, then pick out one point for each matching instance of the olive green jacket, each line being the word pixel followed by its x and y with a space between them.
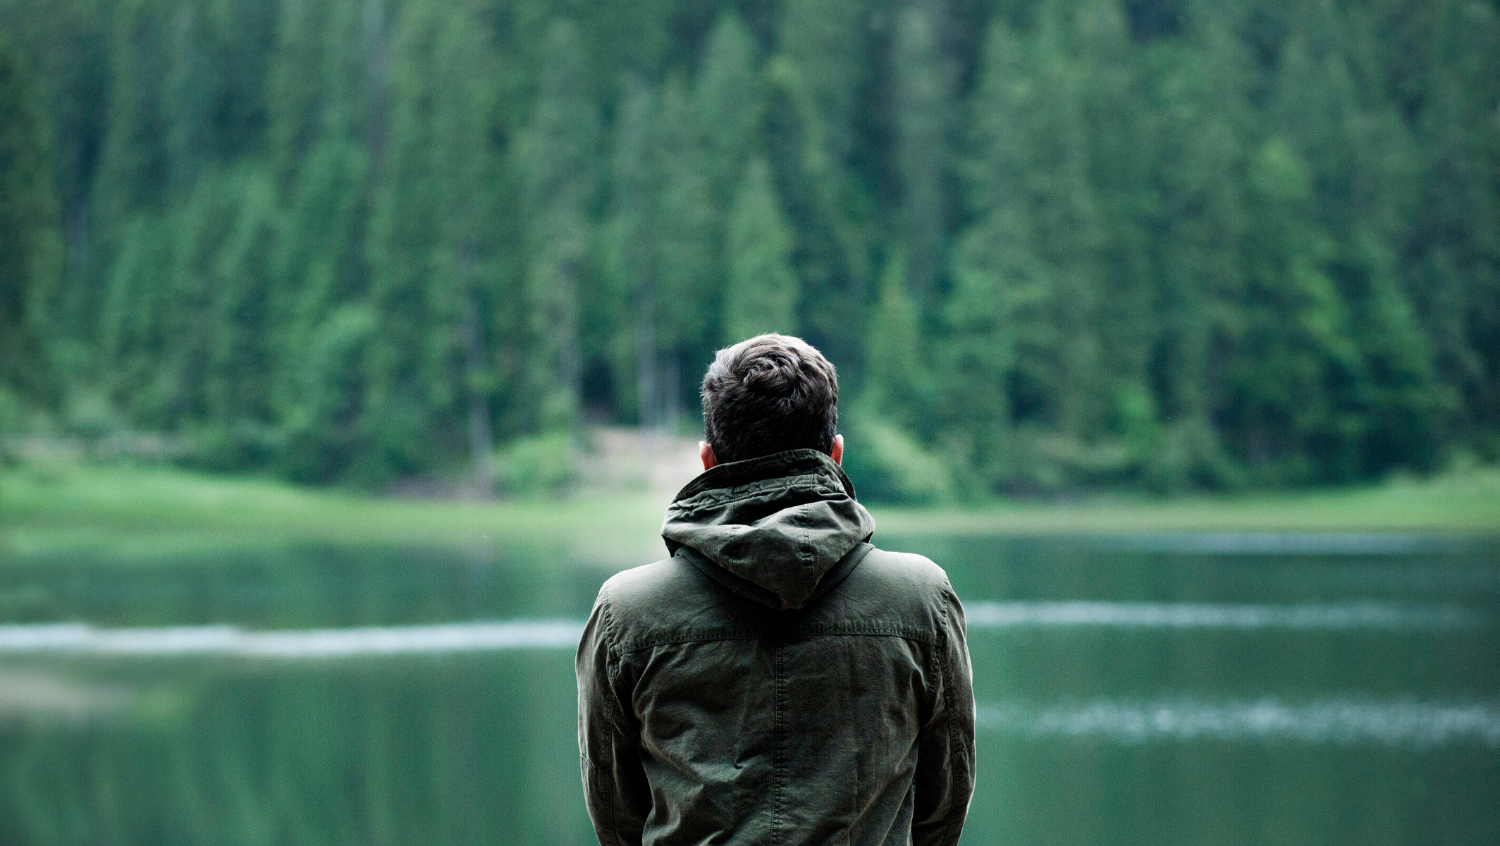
pixel 778 680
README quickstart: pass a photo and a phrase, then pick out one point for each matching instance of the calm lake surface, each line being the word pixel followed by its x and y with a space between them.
pixel 1203 689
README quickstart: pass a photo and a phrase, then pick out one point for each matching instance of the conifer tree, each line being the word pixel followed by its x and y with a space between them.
pixel 557 157
pixel 924 115
pixel 429 362
pixel 133 164
pixel 825 41
pixel 409 397
pixel 897 379
pixel 1036 234
pixel 317 264
pixel 30 243
pixel 317 80
pixel 188 94
pixel 687 283
pixel 323 324
pixel 237 392
pixel 725 102
pixel 763 289
pixel 631 242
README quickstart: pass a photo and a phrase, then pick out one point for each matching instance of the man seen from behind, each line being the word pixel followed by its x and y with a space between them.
pixel 778 680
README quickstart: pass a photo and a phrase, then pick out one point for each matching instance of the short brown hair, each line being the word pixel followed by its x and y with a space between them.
pixel 769 394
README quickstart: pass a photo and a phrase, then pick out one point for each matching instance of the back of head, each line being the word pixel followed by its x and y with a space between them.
pixel 769 394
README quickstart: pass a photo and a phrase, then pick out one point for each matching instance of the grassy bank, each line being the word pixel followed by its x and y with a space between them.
pixel 1467 503
pixel 55 507
pixel 145 511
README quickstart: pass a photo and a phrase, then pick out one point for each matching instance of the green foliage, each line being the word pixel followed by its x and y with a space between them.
pixel 888 465
pixel 326 423
pixel 726 104
pixel 925 116
pixel 687 223
pixel 30 242
pixel 898 376
pixel 1060 244
pixel 762 289
pixel 538 464
pixel 556 156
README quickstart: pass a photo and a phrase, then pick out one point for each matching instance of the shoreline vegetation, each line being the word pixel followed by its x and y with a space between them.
pixel 142 513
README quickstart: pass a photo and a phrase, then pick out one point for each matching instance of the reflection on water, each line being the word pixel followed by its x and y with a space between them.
pixel 1196 690
pixel 452 750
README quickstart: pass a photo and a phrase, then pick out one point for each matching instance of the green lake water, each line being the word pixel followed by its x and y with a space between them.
pixel 1204 689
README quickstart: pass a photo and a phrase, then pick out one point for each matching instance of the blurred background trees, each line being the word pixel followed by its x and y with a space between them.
pixel 1166 244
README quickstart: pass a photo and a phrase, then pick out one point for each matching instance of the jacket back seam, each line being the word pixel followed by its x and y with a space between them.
pixel 778 738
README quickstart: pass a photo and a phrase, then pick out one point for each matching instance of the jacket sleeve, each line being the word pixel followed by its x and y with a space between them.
pixel 614 782
pixel 944 781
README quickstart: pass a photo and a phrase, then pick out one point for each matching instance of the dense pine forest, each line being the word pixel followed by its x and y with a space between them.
pixel 1050 244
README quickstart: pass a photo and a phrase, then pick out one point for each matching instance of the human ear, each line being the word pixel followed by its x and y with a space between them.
pixel 838 449
pixel 706 453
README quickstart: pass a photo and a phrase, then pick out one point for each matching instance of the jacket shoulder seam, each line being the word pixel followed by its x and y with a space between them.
pixel 915 633
pixel 703 637
pixel 902 632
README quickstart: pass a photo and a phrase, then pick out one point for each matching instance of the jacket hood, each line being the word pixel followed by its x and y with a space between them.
pixel 781 529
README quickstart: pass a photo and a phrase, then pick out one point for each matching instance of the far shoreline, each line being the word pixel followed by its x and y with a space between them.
pixel 48 509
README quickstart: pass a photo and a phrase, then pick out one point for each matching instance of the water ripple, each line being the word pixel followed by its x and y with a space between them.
pixel 1294 543
pixel 83 639
pixel 219 640
pixel 1406 723
pixel 1150 615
